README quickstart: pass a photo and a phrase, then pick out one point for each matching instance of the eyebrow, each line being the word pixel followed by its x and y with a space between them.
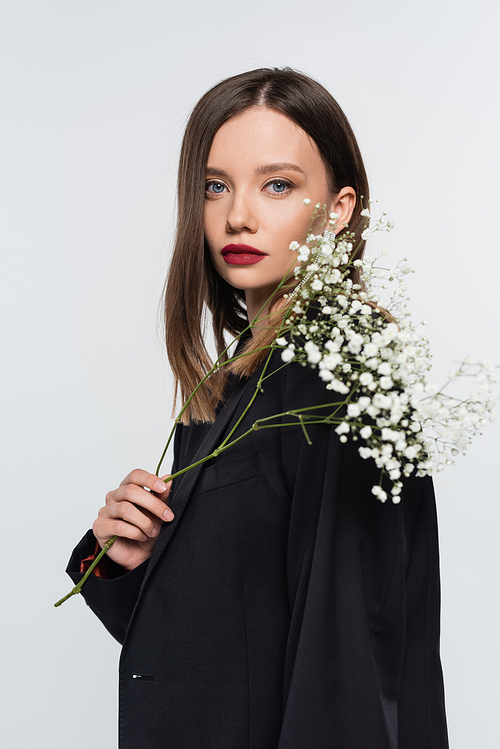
pixel 264 169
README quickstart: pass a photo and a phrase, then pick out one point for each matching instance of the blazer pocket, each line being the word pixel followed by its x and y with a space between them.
pixel 227 470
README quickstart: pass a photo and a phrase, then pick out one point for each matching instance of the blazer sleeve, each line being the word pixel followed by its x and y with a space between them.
pixel 362 664
pixel 112 599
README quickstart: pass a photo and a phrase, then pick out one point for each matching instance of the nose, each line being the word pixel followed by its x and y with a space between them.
pixel 242 215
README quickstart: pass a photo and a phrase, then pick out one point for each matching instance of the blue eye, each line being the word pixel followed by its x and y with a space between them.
pixel 279 186
pixel 217 187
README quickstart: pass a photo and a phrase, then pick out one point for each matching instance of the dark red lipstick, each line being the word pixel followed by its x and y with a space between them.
pixel 242 254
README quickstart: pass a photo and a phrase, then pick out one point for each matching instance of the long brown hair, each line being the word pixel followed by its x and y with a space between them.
pixel 193 285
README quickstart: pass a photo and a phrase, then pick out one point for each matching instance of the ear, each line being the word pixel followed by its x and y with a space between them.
pixel 343 205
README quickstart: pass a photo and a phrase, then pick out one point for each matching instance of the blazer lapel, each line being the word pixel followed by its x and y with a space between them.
pixel 183 489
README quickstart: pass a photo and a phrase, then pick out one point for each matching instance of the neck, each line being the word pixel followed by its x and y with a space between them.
pixel 258 306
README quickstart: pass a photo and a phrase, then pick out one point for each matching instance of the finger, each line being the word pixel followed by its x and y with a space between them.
pixel 144 520
pixel 105 528
pixel 166 492
pixel 149 480
pixel 139 496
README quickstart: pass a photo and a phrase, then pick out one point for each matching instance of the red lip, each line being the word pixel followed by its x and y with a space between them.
pixel 241 249
pixel 242 254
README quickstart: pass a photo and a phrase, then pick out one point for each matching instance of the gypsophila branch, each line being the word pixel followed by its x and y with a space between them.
pixel 367 351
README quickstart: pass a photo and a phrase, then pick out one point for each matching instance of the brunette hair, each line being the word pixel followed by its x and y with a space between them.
pixel 193 285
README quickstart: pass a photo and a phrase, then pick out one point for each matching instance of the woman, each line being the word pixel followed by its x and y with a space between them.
pixel 277 604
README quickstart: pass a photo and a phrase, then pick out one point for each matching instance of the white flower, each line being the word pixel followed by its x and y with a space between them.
pixel 384 369
pixel 334 215
pixel 313 352
pixel 370 349
pixel 389 435
pixel 281 341
pixel 366 432
pixel 294 246
pixel 306 201
pixel 412 451
pixel 334 276
pixel 355 343
pixel 332 346
pixel 386 383
pixel 486 364
pixel 287 355
pixel 353 410
pixel 356 305
pixel 381 401
pixel 365 234
pixel 331 361
pixel 366 378
pixel 325 375
pixel 379 493
pixel 317 285
pixel 343 428
pixel 339 387
pixel 365 213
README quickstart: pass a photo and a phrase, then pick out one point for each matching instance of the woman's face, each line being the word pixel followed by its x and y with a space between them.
pixel 260 168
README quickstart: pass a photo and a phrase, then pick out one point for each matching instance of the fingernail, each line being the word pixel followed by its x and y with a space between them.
pixel 168 514
pixel 160 486
pixel 153 533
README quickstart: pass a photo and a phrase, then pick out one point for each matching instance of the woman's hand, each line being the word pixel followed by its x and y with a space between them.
pixel 135 516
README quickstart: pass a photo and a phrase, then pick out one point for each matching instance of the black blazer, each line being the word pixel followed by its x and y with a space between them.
pixel 285 607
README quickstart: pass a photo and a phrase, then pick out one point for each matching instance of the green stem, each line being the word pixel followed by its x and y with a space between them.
pixel 258 387
pixel 259 424
pixel 306 435
pixel 218 363
pixel 94 564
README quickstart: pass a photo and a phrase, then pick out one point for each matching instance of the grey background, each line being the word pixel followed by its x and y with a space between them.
pixel 94 97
